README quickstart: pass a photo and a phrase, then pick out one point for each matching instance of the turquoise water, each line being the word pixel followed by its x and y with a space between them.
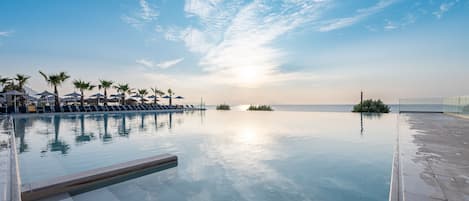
pixel 223 155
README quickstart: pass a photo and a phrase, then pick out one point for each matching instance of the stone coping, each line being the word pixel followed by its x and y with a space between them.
pixel 96 178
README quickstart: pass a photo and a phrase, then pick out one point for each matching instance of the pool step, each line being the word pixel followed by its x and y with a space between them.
pixel 97 178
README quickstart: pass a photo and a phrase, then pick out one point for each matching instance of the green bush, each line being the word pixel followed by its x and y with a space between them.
pixel 260 108
pixel 372 106
pixel 223 107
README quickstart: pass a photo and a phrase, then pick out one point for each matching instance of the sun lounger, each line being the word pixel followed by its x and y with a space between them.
pixel 47 109
pixel 66 108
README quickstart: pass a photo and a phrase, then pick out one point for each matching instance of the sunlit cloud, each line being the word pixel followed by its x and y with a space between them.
pixel 360 15
pixel 444 7
pixel 162 65
pixel 236 39
pixel 146 13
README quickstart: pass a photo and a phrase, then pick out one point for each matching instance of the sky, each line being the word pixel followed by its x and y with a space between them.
pixel 245 52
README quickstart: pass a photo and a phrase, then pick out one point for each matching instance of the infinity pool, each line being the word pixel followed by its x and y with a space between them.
pixel 223 155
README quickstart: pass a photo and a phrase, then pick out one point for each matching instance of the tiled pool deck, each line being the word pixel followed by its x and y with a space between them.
pixel 433 158
pixel 9 178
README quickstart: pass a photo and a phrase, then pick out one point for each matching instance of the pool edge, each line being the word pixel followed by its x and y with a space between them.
pixel 94 177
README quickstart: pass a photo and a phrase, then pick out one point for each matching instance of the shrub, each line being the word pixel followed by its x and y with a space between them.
pixel 372 106
pixel 223 107
pixel 260 108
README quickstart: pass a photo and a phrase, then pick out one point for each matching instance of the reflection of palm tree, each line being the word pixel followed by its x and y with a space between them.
pixel 122 130
pixel 170 120
pixel 155 117
pixel 56 144
pixel 55 80
pixel 142 124
pixel 83 137
pixel 106 136
pixel 20 130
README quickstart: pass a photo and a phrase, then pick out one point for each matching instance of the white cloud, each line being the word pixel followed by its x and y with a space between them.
pixel 169 63
pixel 390 25
pixel 360 15
pixel 146 13
pixel 235 39
pixel 162 65
pixel 444 7
pixel 6 33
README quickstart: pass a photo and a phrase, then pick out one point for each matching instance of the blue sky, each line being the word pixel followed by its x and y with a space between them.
pixel 242 52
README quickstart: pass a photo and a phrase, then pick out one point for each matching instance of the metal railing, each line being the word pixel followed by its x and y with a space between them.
pixel 456 105
pixel 421 105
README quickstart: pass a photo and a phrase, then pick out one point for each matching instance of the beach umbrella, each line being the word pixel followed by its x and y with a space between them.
pixel 154 98
pixel 116 96
pixel 179 97
pixel 74 94
pixel 167 97
pixel 97 95
pixel 31 98
pixel 45 94
pixel 113 99
pixel 71 99
pixel 13 93
pixel 136 96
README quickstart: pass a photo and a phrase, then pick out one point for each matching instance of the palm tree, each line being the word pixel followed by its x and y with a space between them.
pixel 4 81
pixel 105 84
pixel 156 92
pixel 55 80
pixel 122 89
pixel 170 94
pixel 82 86
pixel 142 93
pixel 21 79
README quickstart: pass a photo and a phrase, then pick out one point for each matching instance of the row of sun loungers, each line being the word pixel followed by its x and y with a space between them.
pixel 98 108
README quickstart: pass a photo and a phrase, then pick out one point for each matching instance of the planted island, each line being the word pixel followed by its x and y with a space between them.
pixel 260 108
pixel 223 107
pixel 371 106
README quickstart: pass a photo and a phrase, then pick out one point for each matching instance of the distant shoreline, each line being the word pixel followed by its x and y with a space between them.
pixel 307 108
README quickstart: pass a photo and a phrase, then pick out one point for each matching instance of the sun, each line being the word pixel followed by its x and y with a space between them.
pixel 248 76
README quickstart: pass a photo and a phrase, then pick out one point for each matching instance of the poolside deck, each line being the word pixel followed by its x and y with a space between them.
pixel 9 176
pixel 433 158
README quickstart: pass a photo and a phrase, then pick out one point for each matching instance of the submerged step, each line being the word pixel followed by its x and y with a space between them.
pixel 92 179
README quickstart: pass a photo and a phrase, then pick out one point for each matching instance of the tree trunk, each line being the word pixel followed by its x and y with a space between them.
pixel 170 100
pixel 105 97
pixel 57 103
pixel 82 100
pixel 123 99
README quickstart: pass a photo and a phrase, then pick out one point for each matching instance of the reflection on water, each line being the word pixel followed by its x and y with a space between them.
pixel 99 123
pixel 227 155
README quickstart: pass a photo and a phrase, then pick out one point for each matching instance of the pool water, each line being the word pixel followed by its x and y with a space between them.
pixel 223 155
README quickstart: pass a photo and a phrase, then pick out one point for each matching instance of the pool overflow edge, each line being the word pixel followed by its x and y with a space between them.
pixel 96 178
